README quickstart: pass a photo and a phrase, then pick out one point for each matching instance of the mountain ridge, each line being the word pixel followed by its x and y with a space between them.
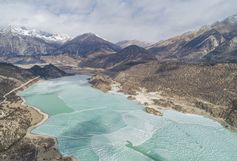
pixel 48 37
pixel 203 45
pixel 86 43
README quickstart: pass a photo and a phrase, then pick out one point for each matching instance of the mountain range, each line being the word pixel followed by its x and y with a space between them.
pixel 85 44
pixel 214 43
pixel 197 68
pixel 21 41
pixel 195 72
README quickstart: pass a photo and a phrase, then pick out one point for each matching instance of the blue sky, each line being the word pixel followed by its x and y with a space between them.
pixel 114 20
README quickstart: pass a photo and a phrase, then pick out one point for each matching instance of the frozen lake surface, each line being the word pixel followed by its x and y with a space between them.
pixel 96 126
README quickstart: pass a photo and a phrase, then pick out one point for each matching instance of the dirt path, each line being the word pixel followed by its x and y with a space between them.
pixel 18 88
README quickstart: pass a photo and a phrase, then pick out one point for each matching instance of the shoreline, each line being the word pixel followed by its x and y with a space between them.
pixel 43 119
pixel 35 109
pixel 193 111
pixel 41 113
pixel 145 99
pixel 142 97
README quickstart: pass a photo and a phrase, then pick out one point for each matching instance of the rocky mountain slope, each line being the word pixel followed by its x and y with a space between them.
pixel 124 59
pixel 13 45
pixel 48 37
pixel 15 41
pixel 24 45
pixel 214 44
pixel 47 72
pixel 86 43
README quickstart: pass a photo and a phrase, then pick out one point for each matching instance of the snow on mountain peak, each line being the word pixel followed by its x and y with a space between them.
pixel 49 37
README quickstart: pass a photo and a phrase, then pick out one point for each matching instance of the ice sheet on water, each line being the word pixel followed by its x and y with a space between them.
pixel 106 127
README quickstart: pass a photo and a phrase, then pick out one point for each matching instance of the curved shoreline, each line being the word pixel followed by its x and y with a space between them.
pixel 41 113
pixel 146 100
pixel 44 117
pixel 59 118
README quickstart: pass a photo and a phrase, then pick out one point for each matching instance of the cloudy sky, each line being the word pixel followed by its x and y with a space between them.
pixel 114 20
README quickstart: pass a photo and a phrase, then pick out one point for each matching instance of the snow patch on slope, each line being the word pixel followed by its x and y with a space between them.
pixel 48 37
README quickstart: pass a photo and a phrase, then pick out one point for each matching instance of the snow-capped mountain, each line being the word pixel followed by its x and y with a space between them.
pixel 48 37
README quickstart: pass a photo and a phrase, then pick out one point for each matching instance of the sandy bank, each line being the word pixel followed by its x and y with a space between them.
pixel 38 118
pixel 155 102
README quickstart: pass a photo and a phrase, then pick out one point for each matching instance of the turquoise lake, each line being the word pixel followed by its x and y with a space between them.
pixel 96 126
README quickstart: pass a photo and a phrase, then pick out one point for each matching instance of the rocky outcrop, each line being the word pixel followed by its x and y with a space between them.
pixel 47 72
pixel 153 111
pixel 101 82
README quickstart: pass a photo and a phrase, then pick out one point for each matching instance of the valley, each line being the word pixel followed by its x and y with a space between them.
pixel 186 84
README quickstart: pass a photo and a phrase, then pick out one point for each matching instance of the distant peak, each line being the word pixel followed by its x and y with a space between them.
pixel 25 31
pixel 88 37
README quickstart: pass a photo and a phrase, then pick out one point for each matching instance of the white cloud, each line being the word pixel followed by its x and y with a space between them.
pixel 150 20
